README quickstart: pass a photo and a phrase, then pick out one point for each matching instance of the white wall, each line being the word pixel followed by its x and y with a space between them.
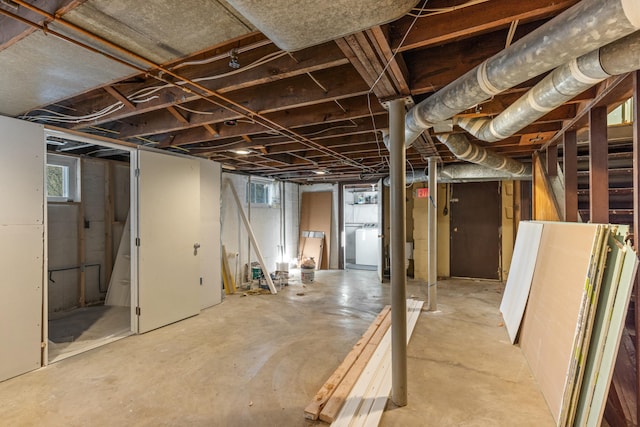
pixel 272 226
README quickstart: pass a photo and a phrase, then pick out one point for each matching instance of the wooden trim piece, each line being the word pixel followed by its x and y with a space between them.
pixel 636 220
pixel 570 166
pixel 598 166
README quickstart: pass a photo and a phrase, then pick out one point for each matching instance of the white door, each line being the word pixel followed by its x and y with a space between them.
pixel 22 160
pixel 210 257
pixel 168 229
pixel 380 230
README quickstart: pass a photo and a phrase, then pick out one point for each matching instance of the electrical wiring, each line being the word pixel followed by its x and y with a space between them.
pixel 438 11
pixel 57 117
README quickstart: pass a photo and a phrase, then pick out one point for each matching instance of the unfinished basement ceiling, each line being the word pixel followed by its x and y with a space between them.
pixel 205 82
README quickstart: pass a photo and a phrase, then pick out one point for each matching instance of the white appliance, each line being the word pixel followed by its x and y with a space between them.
pixel 367 245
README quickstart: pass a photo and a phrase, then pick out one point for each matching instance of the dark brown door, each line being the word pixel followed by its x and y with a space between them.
pixel 475 230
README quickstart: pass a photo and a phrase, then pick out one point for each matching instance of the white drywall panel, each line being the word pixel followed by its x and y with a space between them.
pixel 21 172
pixel 210 257
pixel 21 257
pixel 122 190
pixel 168 228
pixel 21 245
pixel 291 217
pixel 523 263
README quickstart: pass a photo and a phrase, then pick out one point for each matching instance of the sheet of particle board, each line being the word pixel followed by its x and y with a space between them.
pixel 315 214
pixel 548 329
pixel 516 291
pixel 313 248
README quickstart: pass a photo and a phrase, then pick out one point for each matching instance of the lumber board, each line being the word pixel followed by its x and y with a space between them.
pixel 371 386
pixel 523 263
pixel 601 322
pixel 312 411
pixel 620 305
pixel 584 325
pixel 549 325
pixel 333 405
pixel 227 277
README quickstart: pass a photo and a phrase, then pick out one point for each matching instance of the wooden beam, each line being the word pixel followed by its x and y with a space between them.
pixel 397 66
pixel 570 166
pixel 469 21
pixel 211 130
pixel 120 97
pixel 598 166
pixel 552 160
pixel 178 115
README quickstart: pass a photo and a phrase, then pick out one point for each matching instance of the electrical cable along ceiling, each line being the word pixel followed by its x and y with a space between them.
pixel 305 94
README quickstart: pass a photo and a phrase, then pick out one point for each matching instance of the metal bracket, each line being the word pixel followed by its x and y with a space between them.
pixel 408 100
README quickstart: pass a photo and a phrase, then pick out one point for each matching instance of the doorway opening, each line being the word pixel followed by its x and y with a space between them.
pixel 88 292
pixel 362 213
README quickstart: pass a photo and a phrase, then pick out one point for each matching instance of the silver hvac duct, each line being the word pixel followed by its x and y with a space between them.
pixel 582 28
pixel 564 83
pixel 460 146
pixel 464 172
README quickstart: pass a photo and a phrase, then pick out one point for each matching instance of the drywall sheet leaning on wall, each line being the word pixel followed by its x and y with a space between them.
pixel 550 324
pixel 315 214
pixel 606 330
pixel 119 290
pixel 523 263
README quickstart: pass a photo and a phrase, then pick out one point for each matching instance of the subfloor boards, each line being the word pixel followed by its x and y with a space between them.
pixel 258 360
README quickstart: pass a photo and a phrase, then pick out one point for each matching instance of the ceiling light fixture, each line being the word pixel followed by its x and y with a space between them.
pixel 320 172
pixel 233 61
pixel 241 151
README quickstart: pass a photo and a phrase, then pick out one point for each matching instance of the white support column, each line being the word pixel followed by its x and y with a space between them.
pixel 432 287
pixel 398 237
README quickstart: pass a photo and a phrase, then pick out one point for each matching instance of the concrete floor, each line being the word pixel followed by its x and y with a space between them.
pixel 258 360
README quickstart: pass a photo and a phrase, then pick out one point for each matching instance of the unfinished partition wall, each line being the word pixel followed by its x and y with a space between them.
pixel 273 211
pixel 84 236
pixel 361 213
pixel 331 242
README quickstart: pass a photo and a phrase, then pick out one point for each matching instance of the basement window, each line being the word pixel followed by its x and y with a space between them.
pixel 262 193
pixel 62 178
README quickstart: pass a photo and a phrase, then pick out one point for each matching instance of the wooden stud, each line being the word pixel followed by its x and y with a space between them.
pixel 570 166
pixel 211 130
pixel 552 160
pixel 598 166
pixel 109 193
pixel 82 277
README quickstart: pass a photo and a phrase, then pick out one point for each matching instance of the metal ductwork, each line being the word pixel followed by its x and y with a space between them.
pixel 464 172
pixel 564 83
pixel 460 146
pixel 589 25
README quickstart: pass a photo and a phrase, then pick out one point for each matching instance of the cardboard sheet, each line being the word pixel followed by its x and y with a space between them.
pixel 548 329
pixel 516 291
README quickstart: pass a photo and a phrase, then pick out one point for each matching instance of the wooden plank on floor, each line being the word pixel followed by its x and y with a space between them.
pixel 374 383
pixel 312 411
pixel 516 292
pixel 333 405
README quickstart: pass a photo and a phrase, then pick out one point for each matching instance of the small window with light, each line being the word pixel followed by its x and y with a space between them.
pixel 62 175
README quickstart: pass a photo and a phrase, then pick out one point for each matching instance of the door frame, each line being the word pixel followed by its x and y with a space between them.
pixel 133 214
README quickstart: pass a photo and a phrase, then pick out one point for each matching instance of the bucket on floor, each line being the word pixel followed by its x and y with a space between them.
pixel 307 275
pixel 256 273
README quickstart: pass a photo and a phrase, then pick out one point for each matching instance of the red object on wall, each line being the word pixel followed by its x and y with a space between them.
pixel 422 193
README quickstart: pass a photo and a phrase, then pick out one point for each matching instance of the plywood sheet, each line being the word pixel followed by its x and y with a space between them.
pixel 313 247
pixel 549 326
pixel 545 207
pixel 516 291
pixel 315 214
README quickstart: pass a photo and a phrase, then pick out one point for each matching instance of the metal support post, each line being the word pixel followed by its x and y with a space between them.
pixel 398 237
pixel 432 219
